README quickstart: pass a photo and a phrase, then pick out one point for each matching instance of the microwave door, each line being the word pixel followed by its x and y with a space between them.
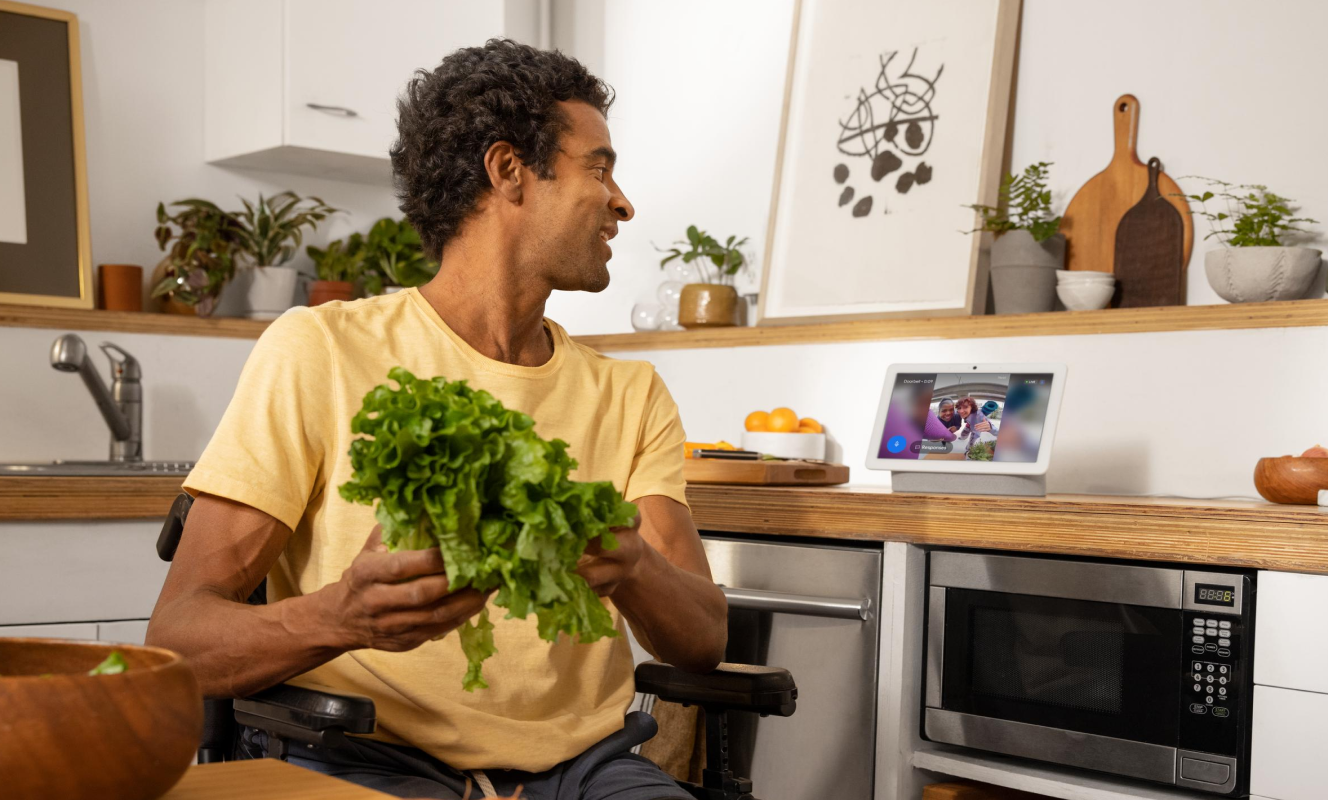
pixel 1060 661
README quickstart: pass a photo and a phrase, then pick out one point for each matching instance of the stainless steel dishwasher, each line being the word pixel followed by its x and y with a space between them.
pixel 811 609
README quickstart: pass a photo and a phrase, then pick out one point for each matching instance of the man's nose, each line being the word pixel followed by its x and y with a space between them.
pixel 621 206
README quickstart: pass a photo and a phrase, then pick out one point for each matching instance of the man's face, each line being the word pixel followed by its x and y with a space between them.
pixel 572 217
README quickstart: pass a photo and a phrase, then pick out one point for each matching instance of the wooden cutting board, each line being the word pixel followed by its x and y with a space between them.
pixel 769 473
pixel 1090 221
pixel 1149 243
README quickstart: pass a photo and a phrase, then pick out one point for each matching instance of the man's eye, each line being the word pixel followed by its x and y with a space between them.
pixel 602 172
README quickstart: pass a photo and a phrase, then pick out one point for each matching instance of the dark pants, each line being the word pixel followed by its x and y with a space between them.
pixel 606 771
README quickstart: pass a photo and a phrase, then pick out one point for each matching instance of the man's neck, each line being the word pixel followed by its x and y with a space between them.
pixel 482 295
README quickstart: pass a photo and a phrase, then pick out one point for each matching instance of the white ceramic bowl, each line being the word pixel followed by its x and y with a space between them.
pixel 785 445
pixel 1085 296
pixel 1083 276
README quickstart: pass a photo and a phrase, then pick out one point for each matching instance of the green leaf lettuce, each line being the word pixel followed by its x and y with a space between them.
pixel 449 467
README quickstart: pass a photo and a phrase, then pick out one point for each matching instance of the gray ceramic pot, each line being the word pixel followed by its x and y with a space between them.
pixel 1023 272
pixel 1260 274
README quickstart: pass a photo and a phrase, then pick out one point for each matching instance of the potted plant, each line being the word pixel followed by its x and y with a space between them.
pixel 1255 263
pixel 200 259
pixel 713 302
pixel 394 258
pixel 270 232
pixel 338 267
pixel 1028 248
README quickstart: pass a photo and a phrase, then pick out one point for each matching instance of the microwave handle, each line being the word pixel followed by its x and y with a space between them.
pixel 804 605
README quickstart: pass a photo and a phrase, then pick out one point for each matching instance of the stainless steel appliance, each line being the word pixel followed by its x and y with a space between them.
pixel 1140 671
pixel 811 609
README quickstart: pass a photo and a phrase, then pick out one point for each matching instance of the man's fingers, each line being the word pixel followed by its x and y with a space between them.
pixel 374 544
pixel 439 617
pixel 381 598
pixel 402 565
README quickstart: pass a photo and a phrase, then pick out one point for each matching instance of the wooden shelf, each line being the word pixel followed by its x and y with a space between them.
pixel 73 319
pixel 1288 314
pixel 1226 533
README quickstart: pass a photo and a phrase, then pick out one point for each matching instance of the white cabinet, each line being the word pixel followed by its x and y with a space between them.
pixel 310 86
pixel 1288 746
pixel 1290 648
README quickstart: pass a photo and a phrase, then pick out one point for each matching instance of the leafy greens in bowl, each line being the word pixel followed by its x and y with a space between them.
pixel 450 467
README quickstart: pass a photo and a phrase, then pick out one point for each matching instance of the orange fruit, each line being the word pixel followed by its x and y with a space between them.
pixel 782 420
pixel 809 425
pixel 757 421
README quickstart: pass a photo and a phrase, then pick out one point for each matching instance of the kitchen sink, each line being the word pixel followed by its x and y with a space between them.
pixel 70 469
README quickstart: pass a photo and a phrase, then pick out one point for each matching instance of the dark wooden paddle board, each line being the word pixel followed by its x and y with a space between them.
pixel 1150 250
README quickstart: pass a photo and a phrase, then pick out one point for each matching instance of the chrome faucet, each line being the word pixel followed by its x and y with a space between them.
pixel 122 406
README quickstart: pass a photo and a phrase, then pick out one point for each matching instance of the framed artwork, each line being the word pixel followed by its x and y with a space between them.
pixel 45 254
pixel 894 120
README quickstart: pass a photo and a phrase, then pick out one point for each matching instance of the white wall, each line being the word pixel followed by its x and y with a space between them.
pixel 143 113
pixel 1223 92
pixel 699 91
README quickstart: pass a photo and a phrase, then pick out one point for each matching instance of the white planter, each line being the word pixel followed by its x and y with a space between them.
pixel 1260 274
pixel 1023 272
pixel 262 292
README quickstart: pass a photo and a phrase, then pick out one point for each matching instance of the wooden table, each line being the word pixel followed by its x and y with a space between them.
pixel 263 779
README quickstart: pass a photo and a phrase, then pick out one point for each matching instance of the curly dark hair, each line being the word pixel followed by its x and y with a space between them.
pixel 448 119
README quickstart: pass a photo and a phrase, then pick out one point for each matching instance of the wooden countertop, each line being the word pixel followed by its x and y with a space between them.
pixel 263 779
pixel 1228 533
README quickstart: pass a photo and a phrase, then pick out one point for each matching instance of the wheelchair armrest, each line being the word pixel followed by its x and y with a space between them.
pixel 730 687
pixel 314 716
pixel 169 538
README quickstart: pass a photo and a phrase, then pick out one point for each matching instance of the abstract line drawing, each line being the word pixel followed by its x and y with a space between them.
pixel 897 115
pixel 899 102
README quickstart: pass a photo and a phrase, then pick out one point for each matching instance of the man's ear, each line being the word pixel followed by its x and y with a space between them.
pixel 506 172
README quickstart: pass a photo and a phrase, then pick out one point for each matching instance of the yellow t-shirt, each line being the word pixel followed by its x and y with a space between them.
pixel 283 447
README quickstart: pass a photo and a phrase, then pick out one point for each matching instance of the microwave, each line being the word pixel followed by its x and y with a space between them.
pixel 1139 671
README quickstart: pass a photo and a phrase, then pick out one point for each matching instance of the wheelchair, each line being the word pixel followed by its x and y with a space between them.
pixel 324 717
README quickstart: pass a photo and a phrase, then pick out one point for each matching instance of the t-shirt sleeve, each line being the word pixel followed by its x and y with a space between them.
pixel 270 450
pixel 657 465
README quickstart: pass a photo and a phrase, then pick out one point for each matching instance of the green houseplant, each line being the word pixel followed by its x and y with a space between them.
pixel 270 233
pixel 712 302
pixel 394 257
pixel 338 267
pixel 1028 247
pixel 1255 225
pixel 201 242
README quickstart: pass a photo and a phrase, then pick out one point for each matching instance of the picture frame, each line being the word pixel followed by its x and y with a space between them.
pixel 45 244
pixel 866 216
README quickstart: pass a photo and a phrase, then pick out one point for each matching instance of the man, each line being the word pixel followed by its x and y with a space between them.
pixel 505 167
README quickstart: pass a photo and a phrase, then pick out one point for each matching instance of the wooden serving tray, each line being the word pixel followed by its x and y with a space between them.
pixel 766 473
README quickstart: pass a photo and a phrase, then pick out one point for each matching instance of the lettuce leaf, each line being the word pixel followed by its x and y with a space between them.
pixel 449 467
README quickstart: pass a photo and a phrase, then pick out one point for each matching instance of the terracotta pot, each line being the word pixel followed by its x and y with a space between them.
pixel 326 291
pixel 71 735
pixel 1291 479
pixel 708 305
pixel 120 287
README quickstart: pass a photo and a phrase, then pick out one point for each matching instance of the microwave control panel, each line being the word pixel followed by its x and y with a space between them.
pixel 1215 674
pixel 1213 665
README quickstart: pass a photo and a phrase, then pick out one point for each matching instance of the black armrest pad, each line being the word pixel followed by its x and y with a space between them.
pixel 311 709
pixel 736 687
pixel 169 538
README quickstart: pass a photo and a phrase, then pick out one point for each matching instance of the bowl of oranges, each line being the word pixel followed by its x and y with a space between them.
pixel 783 433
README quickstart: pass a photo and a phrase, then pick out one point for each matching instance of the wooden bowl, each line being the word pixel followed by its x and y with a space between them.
pixel 67 734
pixel 1291 479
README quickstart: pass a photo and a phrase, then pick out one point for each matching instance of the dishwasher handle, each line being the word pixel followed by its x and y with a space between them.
pixel 805 605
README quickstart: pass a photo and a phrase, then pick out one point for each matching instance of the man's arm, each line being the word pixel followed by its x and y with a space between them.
pixel 237 649
pixel 660 579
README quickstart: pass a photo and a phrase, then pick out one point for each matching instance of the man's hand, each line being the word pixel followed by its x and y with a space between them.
pixel 398 601
pixel 604 569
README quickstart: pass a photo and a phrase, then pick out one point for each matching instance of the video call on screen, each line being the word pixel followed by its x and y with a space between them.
pixel 966 416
